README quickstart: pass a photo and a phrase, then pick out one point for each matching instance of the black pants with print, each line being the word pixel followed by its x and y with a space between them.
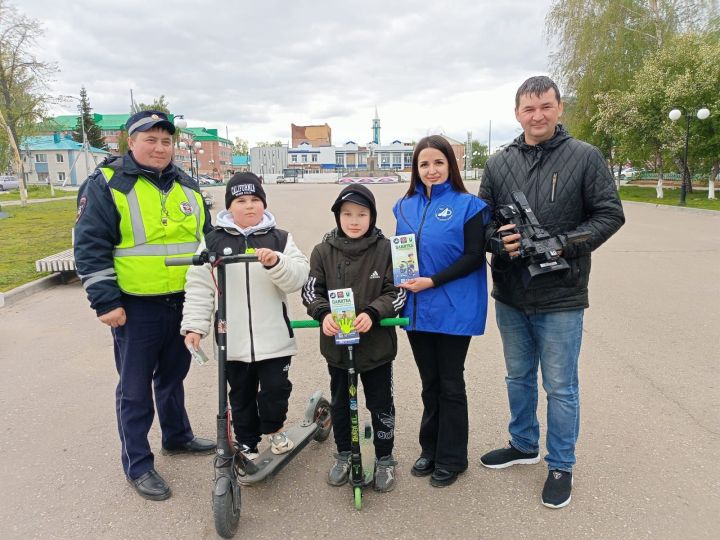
pixel 440 358
pixel 378 388
pixel 259 394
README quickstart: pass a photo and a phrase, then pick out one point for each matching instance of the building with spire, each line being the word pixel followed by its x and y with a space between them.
pixel 376 128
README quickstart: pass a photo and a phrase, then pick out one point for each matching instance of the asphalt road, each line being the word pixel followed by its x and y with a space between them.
pixel 650 430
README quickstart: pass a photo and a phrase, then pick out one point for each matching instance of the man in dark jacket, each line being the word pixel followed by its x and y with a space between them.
pixel 570 190
pixel 133 212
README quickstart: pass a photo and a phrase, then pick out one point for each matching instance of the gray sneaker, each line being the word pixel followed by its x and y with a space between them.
pixel 340 470
pixel 385 474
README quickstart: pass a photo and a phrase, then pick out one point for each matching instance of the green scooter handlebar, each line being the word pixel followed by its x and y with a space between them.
pixel 393 321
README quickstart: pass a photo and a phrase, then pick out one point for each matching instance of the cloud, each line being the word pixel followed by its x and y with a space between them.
pixel 256 67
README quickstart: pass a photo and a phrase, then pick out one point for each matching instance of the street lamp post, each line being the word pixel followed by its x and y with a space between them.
pixel 675 115
pixel 193 149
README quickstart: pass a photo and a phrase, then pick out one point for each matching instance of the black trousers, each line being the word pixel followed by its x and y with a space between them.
pixel 440 358
pixel 259 394
pixel 378 388
pixel 150 354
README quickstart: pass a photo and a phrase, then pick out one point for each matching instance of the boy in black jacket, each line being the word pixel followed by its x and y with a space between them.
pixel 356 255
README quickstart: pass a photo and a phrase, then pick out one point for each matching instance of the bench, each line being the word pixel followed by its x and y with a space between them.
pixel 63 262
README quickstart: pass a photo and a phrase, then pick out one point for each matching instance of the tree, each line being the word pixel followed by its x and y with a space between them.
pixel 263 144
pixel 602 44
pixel 479 155
pixel 240 148
pixel 86 121
pixel 160 104
pixel 123 142
pixel 23 77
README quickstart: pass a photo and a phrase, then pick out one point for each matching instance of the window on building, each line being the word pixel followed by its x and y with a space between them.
pixel 61 177
pixel 59 158
pixel 314 158
pixel 304 158
pixel 339 160
pixel 293 158
pixel 41 158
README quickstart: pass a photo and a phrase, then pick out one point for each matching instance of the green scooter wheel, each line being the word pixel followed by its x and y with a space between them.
pixel 358 498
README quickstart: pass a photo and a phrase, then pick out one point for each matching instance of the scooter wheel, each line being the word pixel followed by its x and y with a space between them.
pixel 226 511
pixel 321 415
pixel 358 498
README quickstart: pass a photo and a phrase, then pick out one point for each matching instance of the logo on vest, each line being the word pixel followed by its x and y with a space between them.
pixel 444 213
pixel 186 208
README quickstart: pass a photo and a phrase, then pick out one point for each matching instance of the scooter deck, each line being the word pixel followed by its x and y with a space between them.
pixel 270 464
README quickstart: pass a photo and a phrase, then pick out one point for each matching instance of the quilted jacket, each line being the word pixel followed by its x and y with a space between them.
pixel 570 189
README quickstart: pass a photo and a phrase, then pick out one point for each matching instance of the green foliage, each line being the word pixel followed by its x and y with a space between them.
pixel 36 191
pixel 479 155
pixel 159 104
pixel 30 233
pixel 240 148
pixel 697 199
pixel 86 121
pixel 123 142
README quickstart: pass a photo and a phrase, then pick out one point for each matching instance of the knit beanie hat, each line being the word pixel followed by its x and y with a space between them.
pixel 244 183
pixel 358 194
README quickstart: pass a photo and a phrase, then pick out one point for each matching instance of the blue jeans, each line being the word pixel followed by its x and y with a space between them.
pixel 552 341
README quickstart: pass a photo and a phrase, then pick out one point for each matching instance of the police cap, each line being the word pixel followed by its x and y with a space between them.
pixel 145 120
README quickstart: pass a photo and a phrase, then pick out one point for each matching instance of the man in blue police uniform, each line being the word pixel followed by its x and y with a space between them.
pixel 133 212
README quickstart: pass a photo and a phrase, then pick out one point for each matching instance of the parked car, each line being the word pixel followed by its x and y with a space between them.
pixel 9 182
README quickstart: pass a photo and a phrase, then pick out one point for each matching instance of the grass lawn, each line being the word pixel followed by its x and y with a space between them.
pixel 698 199
pixel 30 233
pixel 35 192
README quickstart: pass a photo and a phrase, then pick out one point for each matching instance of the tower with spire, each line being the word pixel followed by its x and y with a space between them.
pixel 376 128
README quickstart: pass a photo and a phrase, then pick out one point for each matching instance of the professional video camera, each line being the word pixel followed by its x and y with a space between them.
pixel 538 249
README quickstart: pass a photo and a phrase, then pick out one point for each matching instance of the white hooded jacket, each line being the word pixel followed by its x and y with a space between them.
pixel 258 318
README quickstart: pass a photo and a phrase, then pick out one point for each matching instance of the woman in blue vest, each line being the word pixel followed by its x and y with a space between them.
pixel 449 301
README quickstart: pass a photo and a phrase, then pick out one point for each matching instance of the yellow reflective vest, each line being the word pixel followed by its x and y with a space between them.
pixel 155 225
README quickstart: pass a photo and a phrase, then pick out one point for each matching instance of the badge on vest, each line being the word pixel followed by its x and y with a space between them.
pixel 186 208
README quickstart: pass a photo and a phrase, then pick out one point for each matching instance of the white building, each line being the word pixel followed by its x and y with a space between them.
pixel 59 159
pixel 268 159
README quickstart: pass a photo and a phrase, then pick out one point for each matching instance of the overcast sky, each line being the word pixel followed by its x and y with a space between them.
pixel 256 67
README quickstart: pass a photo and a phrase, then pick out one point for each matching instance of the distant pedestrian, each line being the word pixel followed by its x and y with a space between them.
pixel 133 212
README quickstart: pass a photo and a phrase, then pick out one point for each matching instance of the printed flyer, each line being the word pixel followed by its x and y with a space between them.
pixel 342 306
pixel 404 258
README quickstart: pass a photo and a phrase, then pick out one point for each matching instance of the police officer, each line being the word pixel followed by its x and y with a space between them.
pixel 133 212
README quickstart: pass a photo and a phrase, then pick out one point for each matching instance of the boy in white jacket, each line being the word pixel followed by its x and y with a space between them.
pixel 260 339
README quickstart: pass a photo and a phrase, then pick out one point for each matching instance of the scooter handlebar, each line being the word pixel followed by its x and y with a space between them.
pixel 183 261
pixel 311 323
pixel 213 258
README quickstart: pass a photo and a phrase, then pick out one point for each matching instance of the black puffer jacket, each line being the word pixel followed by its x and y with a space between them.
pixel 569 187
pixel 363 264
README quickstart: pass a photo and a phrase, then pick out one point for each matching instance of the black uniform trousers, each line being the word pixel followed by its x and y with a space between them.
pixel 378 388
pixel 254 411
pixel 440 359
pixel 150 353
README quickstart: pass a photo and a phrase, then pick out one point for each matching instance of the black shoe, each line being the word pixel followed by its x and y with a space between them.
pixel 197 446
pixel 443 477
pixel 505 457
pixel 558 487
pixel 422 467
pixel 151 486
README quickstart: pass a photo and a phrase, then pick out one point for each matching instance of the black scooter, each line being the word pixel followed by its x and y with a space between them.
pixel 232 468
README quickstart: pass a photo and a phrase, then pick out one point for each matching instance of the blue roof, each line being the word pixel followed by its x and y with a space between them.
pixel 240 160
pixel 53 142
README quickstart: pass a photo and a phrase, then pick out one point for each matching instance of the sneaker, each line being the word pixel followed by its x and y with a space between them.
pixel 250 453
pixel 280 443
pixel 340 470
pixel 505 457
pixel 385 474
pixel 558 486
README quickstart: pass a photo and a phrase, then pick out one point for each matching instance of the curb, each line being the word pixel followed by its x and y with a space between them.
pixel 23 291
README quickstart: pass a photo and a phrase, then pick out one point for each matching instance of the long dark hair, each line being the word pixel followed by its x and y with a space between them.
pixel 439 143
